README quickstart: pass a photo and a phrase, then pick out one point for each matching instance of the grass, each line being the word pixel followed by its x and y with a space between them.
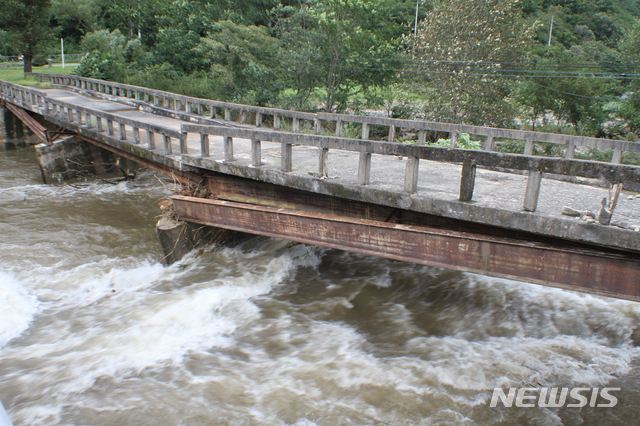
pixel 15 75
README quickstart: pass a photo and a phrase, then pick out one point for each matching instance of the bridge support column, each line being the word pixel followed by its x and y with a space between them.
pixel 178 238
pixel 72 157
pixel 14 130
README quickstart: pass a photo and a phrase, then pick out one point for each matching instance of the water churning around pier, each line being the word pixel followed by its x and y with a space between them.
pixel 94 330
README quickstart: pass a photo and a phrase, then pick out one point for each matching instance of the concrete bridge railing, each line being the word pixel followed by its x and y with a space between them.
pixel 21 95
pixel 470 159
pixel 90 121
pixel 239 112
pixel 37 101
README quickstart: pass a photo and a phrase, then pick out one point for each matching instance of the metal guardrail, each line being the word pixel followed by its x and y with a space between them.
pixel 93 120
pixel 211 109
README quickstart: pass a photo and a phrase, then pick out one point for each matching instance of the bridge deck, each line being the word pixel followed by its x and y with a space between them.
pixel 438 183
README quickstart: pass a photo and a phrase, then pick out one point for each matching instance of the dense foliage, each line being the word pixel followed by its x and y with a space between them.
pixel 560 65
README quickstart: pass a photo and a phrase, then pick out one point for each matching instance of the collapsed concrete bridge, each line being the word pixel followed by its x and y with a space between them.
pixel 297 176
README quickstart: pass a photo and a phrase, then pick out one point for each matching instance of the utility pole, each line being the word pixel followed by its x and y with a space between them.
pixel 415 24
pixel 550 31
pixel 62 50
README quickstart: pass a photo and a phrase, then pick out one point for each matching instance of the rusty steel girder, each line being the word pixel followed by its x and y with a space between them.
pixel 608 273
pixel 38 129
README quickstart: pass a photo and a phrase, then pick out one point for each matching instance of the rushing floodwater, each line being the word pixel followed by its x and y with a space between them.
pixel 94 331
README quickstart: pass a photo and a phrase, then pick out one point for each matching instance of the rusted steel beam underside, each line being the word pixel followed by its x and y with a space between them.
pixel 38 129
pixel 593 271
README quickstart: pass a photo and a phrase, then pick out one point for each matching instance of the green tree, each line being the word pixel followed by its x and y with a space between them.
pixel 464 50
pixel 343 46
pixel 107 55
pixel 572 84
pixel 629 48
pixel 73 19
pixel 26 25
pixel 245 59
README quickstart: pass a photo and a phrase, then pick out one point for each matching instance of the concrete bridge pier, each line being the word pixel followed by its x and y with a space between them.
pixel 14 134
pixel 178 238
pixel 72 158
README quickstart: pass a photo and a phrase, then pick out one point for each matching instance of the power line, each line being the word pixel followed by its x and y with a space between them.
pixel 492 73
pixel 520 64
pixel 576 95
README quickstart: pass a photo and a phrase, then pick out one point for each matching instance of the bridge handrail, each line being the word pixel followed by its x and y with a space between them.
pixel 81 118
pixel 561 166
pixel 9 90
pixel 490 133
pixel 74 80
pixel 106 116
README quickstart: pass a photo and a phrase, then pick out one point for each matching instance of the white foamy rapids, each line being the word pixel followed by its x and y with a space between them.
pixel 17 308
pixel 91 282
pixel 23 192
pixel 333 368
pixel 524 334
pixel 122 335
pixel 518 309
pixel 146 184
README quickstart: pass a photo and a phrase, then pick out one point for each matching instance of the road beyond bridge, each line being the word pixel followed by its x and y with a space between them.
pixel 296 176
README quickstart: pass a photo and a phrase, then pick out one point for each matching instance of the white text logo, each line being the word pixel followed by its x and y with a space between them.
pixel 555 397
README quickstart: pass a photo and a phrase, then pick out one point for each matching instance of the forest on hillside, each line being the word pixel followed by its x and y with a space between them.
pixel 570 66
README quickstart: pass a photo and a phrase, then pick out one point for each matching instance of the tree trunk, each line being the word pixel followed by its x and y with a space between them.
pixel 27 63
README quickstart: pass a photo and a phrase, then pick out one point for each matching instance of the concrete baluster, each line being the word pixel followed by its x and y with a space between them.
pixel 392 133
pixel 454 139
pixel 411 175
pixel 184 148
pixel 228 148
pixel 571 147
pixel 204 145
pixel 365 131
pixel 617 156
pixel 467 180
pixel 489 143
pixel 151 140
pixel 528 147
pixel 323 167
pixel 364 168
pixel 256 153
pixel 532 193
pixel 422 137
pixel 286 154
pixel 123 132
